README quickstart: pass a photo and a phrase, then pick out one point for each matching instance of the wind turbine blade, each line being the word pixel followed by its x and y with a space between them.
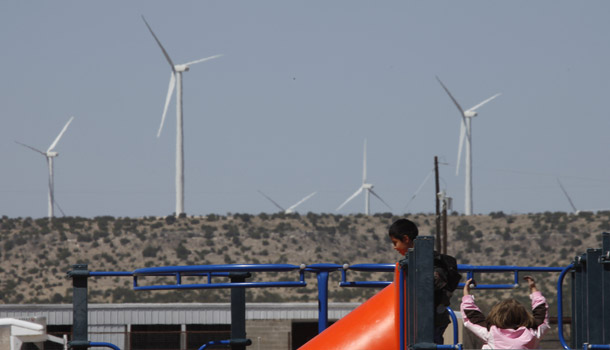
pixel 382 201
pixel 364 164
pixel 272 201
pixel 202 60
pixel 350 198
pixel 291 208
pixel 460 146
pixel 60 135
pixel 567 196
pixel 419 189
pixel 484 102
pixel 170 91
pixel 32 148
pixel 161 46
pixel 59 207
pixel 451 96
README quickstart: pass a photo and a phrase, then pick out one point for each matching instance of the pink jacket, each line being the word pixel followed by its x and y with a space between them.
pixel 498 338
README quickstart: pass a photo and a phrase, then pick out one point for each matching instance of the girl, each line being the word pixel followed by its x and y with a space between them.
pixel 509 325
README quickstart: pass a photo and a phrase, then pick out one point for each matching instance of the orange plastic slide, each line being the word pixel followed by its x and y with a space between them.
pixel 371 326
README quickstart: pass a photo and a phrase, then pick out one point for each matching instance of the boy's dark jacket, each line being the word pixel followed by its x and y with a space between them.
pixel 446 279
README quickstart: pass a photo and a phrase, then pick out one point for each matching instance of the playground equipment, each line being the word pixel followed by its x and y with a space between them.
pixel 398 316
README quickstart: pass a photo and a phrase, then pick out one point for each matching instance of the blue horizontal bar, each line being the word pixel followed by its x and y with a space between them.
pixel 221 285
pixel 448 346
pixel 492 286
pixel 104 344
pixel 365 284
pixel 110 273
pixel 491 268
pixel 324 267
pixel 155 271
pixel 373 267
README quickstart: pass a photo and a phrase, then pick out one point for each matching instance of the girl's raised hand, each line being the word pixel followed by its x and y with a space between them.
pixel 531 283
pixel 467 286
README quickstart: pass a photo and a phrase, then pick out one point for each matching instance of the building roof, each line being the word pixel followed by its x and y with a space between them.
pixel 182 313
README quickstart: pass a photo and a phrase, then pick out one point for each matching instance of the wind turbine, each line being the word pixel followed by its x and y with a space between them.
pixel 574 210
pixel 368 188
pixel 465 133
pixel 290 209
pixel 50 154
pixel 175 81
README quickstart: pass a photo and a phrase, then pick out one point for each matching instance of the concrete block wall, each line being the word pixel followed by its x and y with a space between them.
pixel 269 334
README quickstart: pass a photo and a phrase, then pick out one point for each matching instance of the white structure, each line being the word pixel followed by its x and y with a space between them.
pixel 368 188
pixel 176 82
pixel 18 332
pixel 49 155
pixel 291 208
pixel 465 132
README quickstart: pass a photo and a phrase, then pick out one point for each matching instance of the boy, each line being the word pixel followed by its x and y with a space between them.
pixel 402 233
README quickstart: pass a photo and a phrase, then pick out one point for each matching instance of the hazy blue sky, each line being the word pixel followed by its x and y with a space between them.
pixel 287 108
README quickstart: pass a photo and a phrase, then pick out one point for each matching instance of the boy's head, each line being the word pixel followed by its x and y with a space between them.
pixel 402 233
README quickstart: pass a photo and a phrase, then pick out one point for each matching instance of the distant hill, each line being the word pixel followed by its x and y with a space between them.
pixel 36 254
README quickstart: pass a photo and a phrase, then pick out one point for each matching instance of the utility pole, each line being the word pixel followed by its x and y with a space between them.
pixel 437 240
pixel 447 204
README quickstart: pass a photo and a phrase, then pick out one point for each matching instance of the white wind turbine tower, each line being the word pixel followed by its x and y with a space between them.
pixel 290 209
pixel 368 188
pixel 49 155
pixel 465 133
pixel 176 82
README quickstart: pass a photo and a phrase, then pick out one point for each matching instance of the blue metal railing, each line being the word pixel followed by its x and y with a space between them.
pixel 214 343
pixel 322 272
pixel 560 305
pixel 471 270
pixel 104 345
pixel 587 346
pixel 454 322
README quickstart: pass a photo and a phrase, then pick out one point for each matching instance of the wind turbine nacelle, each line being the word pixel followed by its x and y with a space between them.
pixel 470 114
pixel 181 68
pixel 52 154
pixel 367 186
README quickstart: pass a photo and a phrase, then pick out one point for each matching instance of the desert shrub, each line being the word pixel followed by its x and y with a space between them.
pixel 463 231
pixel 85 237
pixel 182 252
pixel 150 251
pixel 497 215
pixel 156 225
pixel 99 234
pixel 63 253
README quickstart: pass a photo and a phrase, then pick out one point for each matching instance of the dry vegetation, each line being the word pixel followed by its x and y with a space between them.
pixel 36 254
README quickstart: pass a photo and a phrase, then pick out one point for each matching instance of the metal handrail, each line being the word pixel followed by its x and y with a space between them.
pixel 560 305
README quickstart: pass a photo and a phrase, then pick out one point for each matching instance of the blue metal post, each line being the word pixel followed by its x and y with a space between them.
pixel 238 310
pixel 594 298
pixel 420 294
pixel 79 275
pixel 560 305
pixel 322 300
pixel 605 262
pixel 401 303
pixel 578 297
